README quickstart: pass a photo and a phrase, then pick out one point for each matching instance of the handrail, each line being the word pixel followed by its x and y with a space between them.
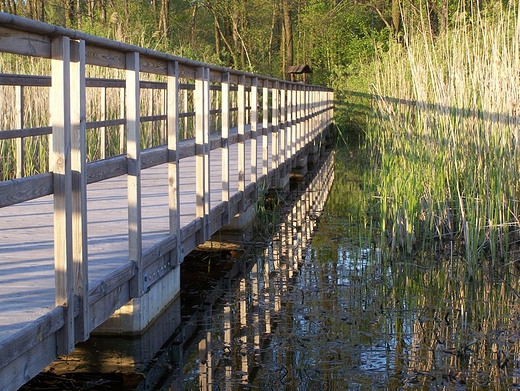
pixel 242 105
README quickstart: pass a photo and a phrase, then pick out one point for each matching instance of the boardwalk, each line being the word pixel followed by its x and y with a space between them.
pixel 79 241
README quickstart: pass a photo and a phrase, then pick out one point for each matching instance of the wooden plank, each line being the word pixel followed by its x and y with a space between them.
pixel 172 112
pixel 282 133
pixel 105 57
pixel 254 126
pixel 28 132
pixel 61 167
pixel 241 103
pixel 225 143
pixel 133 153
pixel 24 189
pixel 265 130
pixel 28 337
pixel 24 43
pixel 113 281
pixel 19 119
pixel 202 150
pixel 153 65
pixel 207 150
pixel 79 188
pixel 275 161
pixel 7 79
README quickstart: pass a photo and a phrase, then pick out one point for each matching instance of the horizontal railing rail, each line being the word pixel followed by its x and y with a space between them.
pixel 153 108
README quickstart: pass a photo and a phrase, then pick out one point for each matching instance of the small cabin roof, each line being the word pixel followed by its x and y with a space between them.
pixel 299 69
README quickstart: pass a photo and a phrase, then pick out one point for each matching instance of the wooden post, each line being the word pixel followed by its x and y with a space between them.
pixel 133 155
pixel 265 126
pixel 103 130
pixel 20 150
pixel 295 139
pixel 274 122
pixel 79 187
pixel 122 114
pixel 254 126
pixel 207 150
pixel 241 139
pixel 283 122
pixel 225 145
pixel 172 113
pixel 61 168
pixel 202 150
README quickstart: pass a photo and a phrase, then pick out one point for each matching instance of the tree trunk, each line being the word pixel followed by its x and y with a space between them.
pixel 287 33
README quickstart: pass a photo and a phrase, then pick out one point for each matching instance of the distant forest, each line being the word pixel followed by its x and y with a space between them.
pixel 336 38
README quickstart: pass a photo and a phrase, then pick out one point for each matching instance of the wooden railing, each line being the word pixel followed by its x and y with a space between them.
pixel 192 109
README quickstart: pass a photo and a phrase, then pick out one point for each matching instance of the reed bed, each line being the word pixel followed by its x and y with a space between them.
pixel 445 137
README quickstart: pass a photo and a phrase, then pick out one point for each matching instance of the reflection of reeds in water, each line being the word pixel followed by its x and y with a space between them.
pixel 453 331
pixel 445 136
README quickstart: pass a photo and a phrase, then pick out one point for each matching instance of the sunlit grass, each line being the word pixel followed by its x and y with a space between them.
pixel 445 134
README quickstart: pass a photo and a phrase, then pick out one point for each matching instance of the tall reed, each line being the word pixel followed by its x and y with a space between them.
pixel 445 135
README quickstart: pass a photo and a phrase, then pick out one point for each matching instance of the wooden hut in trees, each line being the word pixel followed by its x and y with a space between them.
pixel 299 70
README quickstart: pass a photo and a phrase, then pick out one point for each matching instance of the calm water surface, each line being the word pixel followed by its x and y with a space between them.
pixel 331 314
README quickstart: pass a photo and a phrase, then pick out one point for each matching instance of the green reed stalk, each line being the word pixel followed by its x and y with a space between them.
pixel 445 134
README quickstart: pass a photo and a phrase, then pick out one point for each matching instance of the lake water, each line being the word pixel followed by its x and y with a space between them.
pixel 313 305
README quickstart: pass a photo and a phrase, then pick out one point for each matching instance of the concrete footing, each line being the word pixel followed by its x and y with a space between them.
pixel 138 314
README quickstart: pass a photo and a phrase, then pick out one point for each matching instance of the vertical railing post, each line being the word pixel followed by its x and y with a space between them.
pixel 265 126
pixel 202 150
pixel 172 126
pixel 207 150
pixel 274 121
pixel 304 116
pixel 241 101
pixel 20 150
pixel 283 122
pixel 254 127
pixel 133 153
pixel 225 145
pixel 79 187
pixel 62 176
pixel 103 130
pixel 296 119
pixel 122 114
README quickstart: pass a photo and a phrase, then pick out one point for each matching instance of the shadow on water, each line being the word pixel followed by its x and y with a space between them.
pixel 330 314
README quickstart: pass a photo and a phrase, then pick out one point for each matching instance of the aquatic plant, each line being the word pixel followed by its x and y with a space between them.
pixel 444 137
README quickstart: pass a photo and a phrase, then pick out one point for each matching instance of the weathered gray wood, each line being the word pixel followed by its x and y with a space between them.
pixel 62 173
pixel 241 102
pixel 25 43
pixel 172 109
pixel 254 127
pixel 24 189
pixel 282 133
pixel 207 151
pixel 133 154
pixel 225 143
pixel 265 130
pixel 79 189
pixel 19 113
pixel 275 129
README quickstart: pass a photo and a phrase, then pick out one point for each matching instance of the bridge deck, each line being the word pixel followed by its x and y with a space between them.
pixel 26 234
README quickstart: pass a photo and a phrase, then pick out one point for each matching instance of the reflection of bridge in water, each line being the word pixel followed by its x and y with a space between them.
pixel 86 242
pixel 221 341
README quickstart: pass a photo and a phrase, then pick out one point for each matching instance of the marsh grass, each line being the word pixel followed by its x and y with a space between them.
pixel 445 136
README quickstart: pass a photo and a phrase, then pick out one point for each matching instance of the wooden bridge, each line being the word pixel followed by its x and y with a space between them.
pixel 116 162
